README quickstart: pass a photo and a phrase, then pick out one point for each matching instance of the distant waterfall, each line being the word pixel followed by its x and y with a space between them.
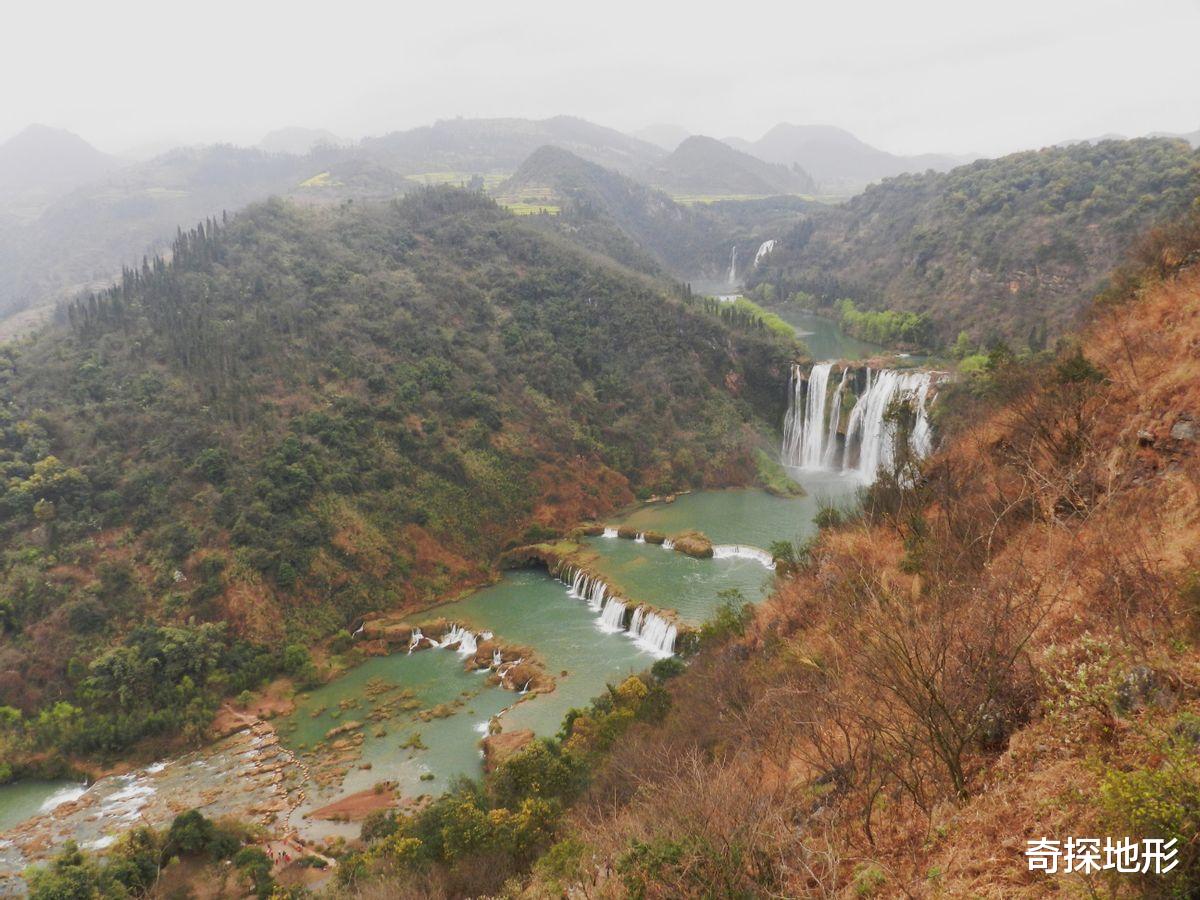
pixel 668 544
pixel 740 551
pixel 647 628
pixel 763 250
pixel 609 533
pixel 811 427
pixel 733 267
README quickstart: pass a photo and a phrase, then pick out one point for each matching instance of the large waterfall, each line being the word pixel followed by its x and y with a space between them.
pixel 812 433
pixel 763 249
pixel 733 266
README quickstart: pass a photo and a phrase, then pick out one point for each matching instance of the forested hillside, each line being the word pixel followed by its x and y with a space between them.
pixel 81 239
pixel 999 248
pixel 1000 647
pixel 641 226
pixel 615 215
pixel 311 413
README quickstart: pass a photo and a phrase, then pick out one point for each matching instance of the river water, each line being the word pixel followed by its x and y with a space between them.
pixel 423 714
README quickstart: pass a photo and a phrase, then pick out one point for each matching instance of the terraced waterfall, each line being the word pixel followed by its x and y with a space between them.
pixel 414 717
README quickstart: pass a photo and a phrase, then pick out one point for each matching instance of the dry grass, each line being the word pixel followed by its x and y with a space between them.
pixel 840 749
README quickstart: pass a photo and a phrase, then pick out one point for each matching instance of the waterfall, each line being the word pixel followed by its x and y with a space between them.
pixel 575 591
pixel 596 594
pixel 640 538
pixel 804 427
pixel 814 416
pixel 793 422
pixel 609 532
pixel 829 457
pixel 668 544
pixel 649 630
pixel 733 266
pixel 655 634
pixel 764 248
pixel 415 639
pixel 68 794
pixel 497 659
pixel 875 435
pixel 612 617
pixel 810 428
pixel 921 439
pixel 740 551
pixel 466 640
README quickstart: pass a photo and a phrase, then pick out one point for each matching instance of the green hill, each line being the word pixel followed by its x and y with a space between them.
pixel 704 166
pixel 80 240
pixel 314 412
pixel 609 212
pixel 1009 248
pixel 641 226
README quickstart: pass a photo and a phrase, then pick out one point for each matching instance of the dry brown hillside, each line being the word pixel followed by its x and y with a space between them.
pixel 1006 651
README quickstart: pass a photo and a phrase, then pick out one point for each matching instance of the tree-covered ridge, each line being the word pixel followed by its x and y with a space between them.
pixel 703 165
pixel 999 248
pixel 615 215
pixel 308 414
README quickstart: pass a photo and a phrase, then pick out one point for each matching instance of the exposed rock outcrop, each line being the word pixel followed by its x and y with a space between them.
pixel 694 543
pixel 503 746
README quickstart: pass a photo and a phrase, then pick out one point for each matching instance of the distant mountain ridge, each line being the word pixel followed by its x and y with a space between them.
pixel 704 165
pixel 501 145
pixel 101 216
pixel 837 159
pixel 663 135
pixel 41 163
pixel 298 140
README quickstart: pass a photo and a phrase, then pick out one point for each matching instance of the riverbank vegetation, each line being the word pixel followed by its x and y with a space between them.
pixel 310 414
pixel 887 327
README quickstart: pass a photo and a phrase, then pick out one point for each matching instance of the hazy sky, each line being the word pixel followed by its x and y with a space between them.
pixel 923 75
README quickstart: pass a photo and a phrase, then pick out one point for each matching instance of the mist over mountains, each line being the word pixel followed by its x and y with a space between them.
pixel 71 215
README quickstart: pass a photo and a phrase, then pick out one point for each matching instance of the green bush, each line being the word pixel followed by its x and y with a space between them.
pixel 1160 802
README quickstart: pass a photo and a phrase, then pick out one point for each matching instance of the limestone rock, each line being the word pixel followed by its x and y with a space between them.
pixel 1185 430
pixel 499 747
pixel 694 543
